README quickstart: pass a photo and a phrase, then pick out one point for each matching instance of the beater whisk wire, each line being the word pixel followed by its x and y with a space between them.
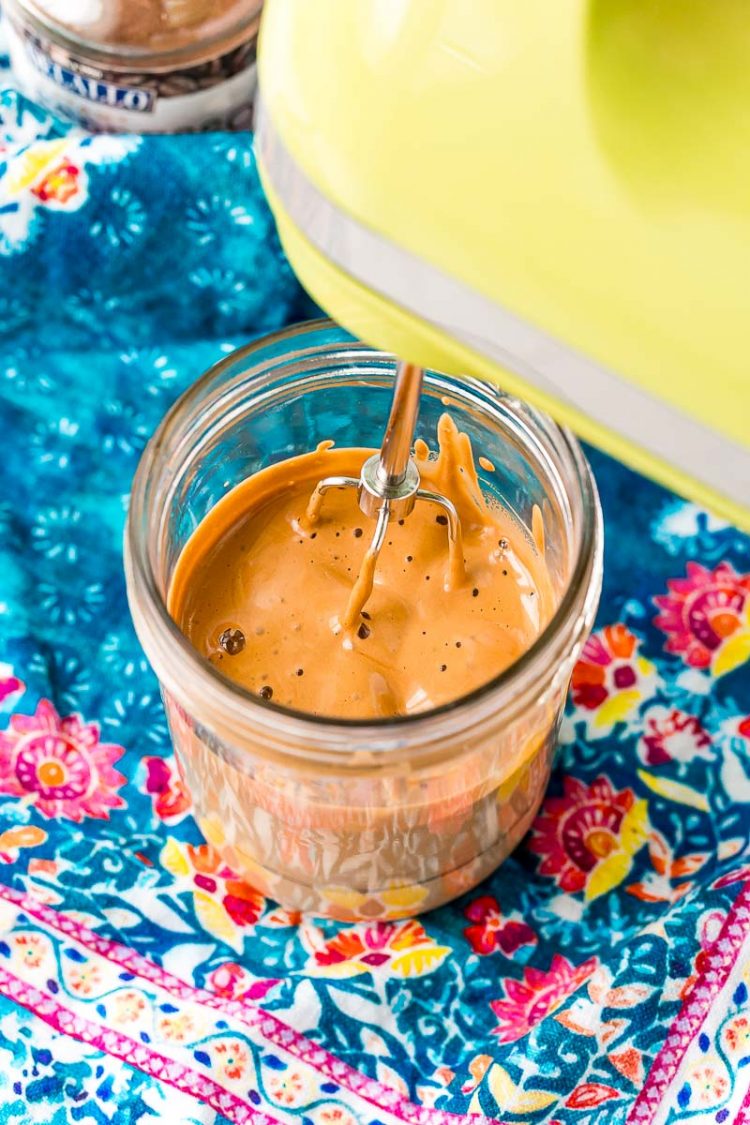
pixel 388 488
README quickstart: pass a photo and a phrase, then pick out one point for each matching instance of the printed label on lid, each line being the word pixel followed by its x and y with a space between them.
pixel 139 100
pixel 217 94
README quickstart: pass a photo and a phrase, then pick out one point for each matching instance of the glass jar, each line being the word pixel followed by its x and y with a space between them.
pixel 358 819
pixel 138 66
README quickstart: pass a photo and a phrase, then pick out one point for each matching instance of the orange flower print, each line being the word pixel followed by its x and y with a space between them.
pixel 735 1036
pixel 13 839
pixel 478 1067
pixel 333 1115
pixel 59 185
pixel 706 1084
pixel 288 1087
pixel 231 1058
pixel 29 949
pixel 85 978
pixel 610 679
pixel 127 1007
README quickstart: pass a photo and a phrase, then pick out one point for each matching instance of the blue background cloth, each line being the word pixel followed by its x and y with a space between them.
pixel 127 267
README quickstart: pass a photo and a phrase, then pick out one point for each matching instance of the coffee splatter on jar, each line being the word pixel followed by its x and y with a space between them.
pixel 141 66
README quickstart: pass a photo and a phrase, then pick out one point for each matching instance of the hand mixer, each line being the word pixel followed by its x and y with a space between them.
pixel 554 197
pixel 388 488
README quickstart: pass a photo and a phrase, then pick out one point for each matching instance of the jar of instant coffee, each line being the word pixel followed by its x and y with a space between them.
pixel 140 66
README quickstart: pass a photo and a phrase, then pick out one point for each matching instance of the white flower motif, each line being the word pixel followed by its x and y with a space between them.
pixel 125 221
pixel 154 372
pixel 124 660
pixel 71 677
pixel 213 217
pixel 236 149
pixel 123 428
pixel 58 534
pixel 64 608
pixel 228 291
pixel 56 442
pixel 140 711
pixel 25 381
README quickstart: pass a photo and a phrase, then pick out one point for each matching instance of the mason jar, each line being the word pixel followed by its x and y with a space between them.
pixel 137 66
pixel 377 818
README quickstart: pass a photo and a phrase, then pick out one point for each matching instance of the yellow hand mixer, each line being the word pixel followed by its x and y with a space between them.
pixel 555 197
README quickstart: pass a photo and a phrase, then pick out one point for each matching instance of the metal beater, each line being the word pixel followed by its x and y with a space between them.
pixel 388 485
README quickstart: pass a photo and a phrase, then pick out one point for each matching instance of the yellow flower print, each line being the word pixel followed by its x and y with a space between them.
pixel 176 1028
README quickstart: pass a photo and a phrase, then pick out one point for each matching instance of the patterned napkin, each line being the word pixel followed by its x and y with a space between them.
pixel 602 972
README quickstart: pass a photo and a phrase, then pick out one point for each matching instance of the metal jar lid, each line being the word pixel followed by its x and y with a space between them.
pixel 149 35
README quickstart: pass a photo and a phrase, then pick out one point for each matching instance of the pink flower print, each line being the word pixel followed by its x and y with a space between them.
pixel 10 687
pixel 60 764
pixel 673 736
pixel 170 800
pixel 491 931
pixel 708 930
pixel 527 1002
pixel 587 836
pixel 705 617
pixel 231 980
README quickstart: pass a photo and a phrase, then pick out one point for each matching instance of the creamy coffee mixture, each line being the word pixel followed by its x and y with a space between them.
pixel 262 592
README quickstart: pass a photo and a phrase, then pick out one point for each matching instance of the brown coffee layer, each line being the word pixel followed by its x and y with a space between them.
pixel 262 594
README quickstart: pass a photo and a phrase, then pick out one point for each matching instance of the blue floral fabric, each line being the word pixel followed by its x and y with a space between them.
pixel 600 973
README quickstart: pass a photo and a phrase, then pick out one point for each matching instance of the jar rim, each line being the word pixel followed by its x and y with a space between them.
pixel 133 57
pixel 583 577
